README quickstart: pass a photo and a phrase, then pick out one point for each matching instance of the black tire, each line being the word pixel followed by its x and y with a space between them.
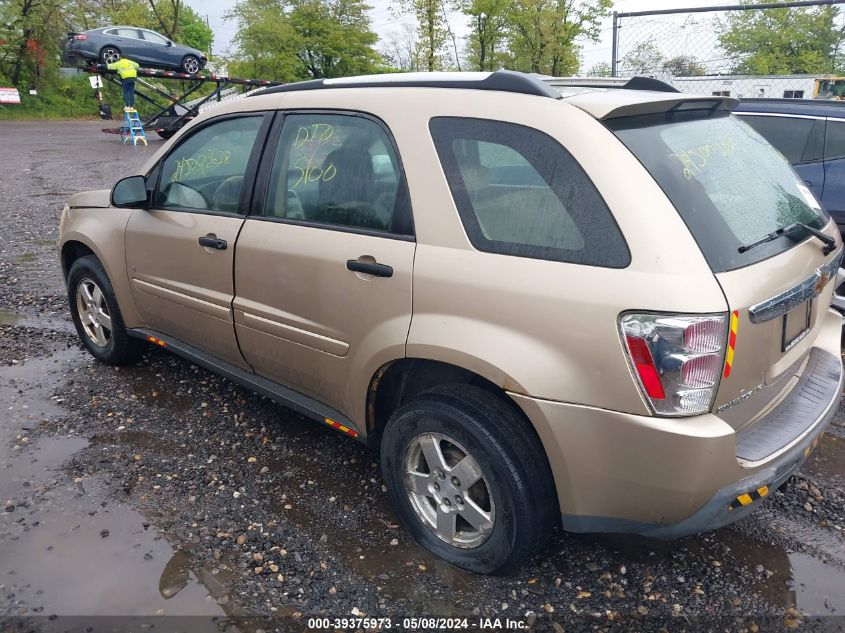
pixel 120 349
pixel 511 458
pixel 107 52
pixel 191 64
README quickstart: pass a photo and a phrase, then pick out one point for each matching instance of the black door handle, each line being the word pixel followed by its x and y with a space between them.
pixel 377 270
pixel 213 242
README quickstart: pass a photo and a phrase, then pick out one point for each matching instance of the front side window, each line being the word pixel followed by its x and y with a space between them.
pixel 519 192
pixel 206 171
pixel 153 37
pixel 337 169
pixel 799 140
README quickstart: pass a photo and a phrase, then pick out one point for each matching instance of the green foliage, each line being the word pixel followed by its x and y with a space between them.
pixel 432 30
pixel 60 99
pixel 537 36
pixel 289 40
pixel 602 69
pixel 683 66
pixel 487 39
pixel 645 58
pixel 782 41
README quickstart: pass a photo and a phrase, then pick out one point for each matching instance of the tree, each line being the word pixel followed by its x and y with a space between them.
pixel 488 33
pixel 542 34
pixel 683 66
pixel 290 40
pixel 644 58
pixel 402 51
pixel 431 27
pixel 602 69
pixel 782 41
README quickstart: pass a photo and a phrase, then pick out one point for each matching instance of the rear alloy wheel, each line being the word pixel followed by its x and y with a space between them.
pixel 469 478
pixel 448 491
pixel 109 55
pixel 191 65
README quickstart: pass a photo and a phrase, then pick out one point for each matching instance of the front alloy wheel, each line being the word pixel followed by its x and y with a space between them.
pixel 191 65
pixel 93 313
pixel 448 491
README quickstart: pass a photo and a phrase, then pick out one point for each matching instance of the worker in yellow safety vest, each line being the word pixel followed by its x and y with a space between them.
pixel 127 70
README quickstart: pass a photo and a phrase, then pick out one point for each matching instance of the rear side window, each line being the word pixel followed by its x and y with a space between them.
pixel 799 140
pixel 519 192
pixel 727 182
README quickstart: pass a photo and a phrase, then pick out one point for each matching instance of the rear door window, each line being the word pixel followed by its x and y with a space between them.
pixel 727 182
pixel 338 170
pixel 519 192
pixel 133 33
pixel 800 140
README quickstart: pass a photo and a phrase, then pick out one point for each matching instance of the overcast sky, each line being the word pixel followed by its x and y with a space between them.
pixel 385 22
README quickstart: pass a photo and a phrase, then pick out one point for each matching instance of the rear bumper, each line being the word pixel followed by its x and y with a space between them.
pixel 667 478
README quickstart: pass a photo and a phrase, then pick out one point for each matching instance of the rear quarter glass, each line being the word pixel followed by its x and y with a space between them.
pixel 519 192
pixel 730 186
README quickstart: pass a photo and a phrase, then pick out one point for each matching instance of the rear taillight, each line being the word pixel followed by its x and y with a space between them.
pixel 677 359
pixel 80 37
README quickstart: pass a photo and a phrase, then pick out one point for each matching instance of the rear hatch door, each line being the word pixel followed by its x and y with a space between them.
pixel 733 190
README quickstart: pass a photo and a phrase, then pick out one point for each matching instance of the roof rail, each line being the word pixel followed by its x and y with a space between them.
pixel 500 80
pixel 634 83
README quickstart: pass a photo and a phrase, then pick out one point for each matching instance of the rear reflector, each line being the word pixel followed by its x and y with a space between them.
pixel 644 364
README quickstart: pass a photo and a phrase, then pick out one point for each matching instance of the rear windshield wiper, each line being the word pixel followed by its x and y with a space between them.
pixel 789 229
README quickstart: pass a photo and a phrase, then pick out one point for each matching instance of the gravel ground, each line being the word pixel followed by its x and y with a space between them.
pixel 163 490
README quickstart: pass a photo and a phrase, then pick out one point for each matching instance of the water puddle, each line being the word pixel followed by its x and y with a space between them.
pixel 66 547
pixel 786 578
pixel 8 318
pixel 149 388
pixel 828 460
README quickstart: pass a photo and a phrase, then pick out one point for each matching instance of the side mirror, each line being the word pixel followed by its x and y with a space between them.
pixel 130 192
pixel 169 43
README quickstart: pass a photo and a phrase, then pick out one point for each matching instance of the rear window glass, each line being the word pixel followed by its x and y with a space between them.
pixel 728 183
pixel 519 192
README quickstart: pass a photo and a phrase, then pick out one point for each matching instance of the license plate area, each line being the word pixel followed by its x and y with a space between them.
pixel 796 324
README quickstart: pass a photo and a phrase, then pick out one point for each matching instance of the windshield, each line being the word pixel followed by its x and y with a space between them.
pixel 728 183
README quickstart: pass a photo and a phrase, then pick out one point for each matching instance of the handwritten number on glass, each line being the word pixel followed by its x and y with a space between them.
pixel 696 159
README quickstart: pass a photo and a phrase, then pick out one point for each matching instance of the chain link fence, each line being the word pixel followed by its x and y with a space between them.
pixel 693 49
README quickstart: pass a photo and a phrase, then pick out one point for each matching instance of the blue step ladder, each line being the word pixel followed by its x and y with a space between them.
pixel 132 128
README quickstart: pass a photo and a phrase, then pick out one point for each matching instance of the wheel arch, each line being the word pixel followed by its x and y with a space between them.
pixel 399 380
pixel 88 236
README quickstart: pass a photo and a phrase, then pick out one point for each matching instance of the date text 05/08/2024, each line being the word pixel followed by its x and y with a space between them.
pixel 412 624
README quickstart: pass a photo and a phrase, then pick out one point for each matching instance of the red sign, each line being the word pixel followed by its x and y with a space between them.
pixel 10 95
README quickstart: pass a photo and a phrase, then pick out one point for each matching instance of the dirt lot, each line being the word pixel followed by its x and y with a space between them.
pixel 162 490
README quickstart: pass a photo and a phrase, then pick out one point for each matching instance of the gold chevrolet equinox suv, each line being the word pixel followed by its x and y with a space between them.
pixel 545 303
